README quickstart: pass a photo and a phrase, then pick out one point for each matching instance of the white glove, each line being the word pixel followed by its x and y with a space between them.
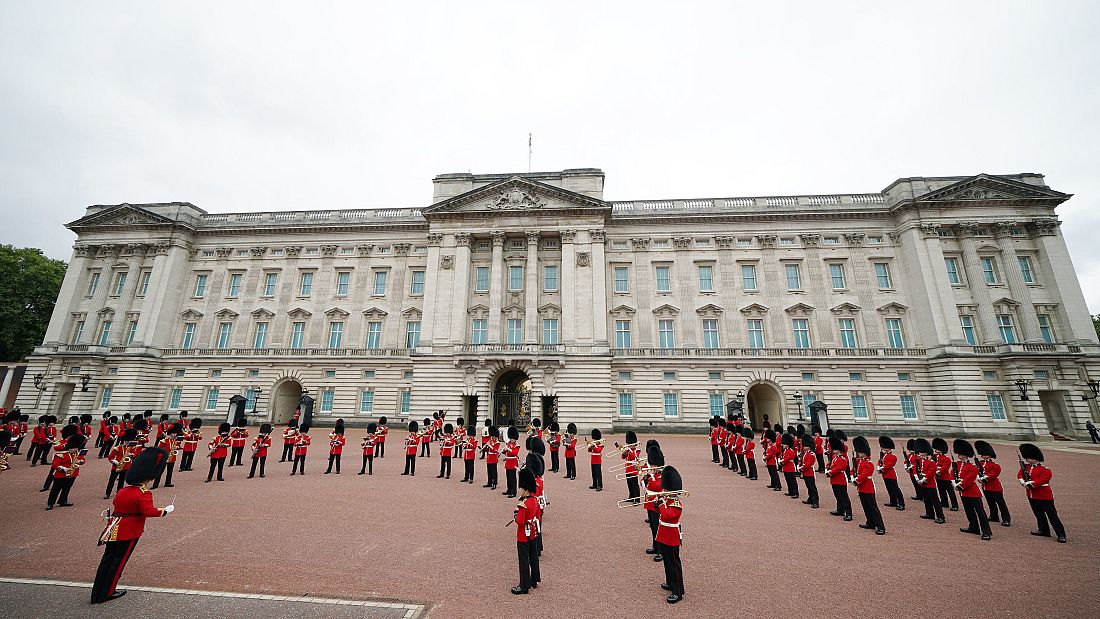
pixel 169 509
pixel 1022 482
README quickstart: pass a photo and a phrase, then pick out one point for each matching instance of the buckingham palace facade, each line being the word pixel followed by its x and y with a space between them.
pixel 945 304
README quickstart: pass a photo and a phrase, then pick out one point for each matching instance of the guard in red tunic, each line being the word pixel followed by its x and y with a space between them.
pixel 595 452
pixel 260 445
pixel 655 462
pixel 491 451
pixel 162 427
pixel 336 442
pixel 383 430
pixel 819 449
pixel 739 450
pixel 170 442
pixel 630 453
pixel 426 438
pixel 20 432
pixel 569 444
pixel 238 438
pixel 789 465
pixel 126 523
pixel 510 453
pixel 669 534
pixel 191 440
pixel 104 423
pixel 301 448
pixel 218 450
pixel 1035 478
pixel 912 467
pixel 945 474
pixel 554 441
pixel 60 446
pixel 971 493
pixel 714 432
pixel 468 452
pixel 723 442
pixel 111 434
pixel 290 436
pixel 535 462
pixel 989 473
pixel 926 477
pixel 122 455
pixel 887 462
pixel 838 478
pixel 412 441
pixel 806 470
pixel 368 445
pixel 446 450
pixel 771 460
pixel 66 468
pixel 526 533
pixel 141 424
pixel 750 451
pixel 863 479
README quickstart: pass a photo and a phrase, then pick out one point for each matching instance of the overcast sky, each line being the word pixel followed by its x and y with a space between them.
pixel 238 106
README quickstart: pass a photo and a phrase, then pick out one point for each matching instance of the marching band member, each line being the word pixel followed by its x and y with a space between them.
pixel 771 460
pixel 24 429
pixel 789 465
pixel 570 443
pixel 460 438
pixel 369 442
pixel 121 457
pixel 383 430
pixel 595 451
pixel 945 474
pixel 336 442
pixel 912 467
pixel 290 436
pixel 806 470
pixel 838 478
pixel 132 506
pixel 886 463
pixel 43 438
pixel 819 449
pixel 669 534
pixel 863 480
pixel 655 460
pixel 411 443
pixel 989 473
pixel 426 438
pixel 86 425
pixel 468 452
pixel 630 453
pixel 536 428
pixel 162 428
pixel 714 431
pixel 5 441
pixel 926 477
pixel 301 448
pixel 485 437
pixel 1035 478
pixel 59 447
pixel 555 442
pixel 739 449
pixel 260 445
pixel 526 531
pixel 238 438
pixel 510 451
pixel 109 437
pixel 141 424
pixel 66 468
pixel 191 440
pixel 170 443
pixel 537 465
pixel 219 448
pixel 967 483
pixel 750 451
pixel 446 449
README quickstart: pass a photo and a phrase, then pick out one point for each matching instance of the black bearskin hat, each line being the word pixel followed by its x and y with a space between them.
pixel 471 429
pixel 304 429
pixel 74 419
pixel 448 428
pixel 339 429
pixel 372 427
pixel 242 422
pixel 1031 452
pixel 714 422
pixel 536 464
pixel 963 448
pixel 835 444
pixel 790 430
pixel 816 429
pixel 5 438
pixel 382 420
pixel 596 434
pixel 85 418
pixel 807 441
pixel 910 445
pixel 535 445
pixel 224 428
pixel 800 430
pixel 651 443
pixel 655 457
pixel 183 414
pixel 434 416
pixel 769 434
pixel 113 420
pixel 921 446
pixel 527 480
pixel 536 423
pixel 787 440
pixel 494 431
pixel 147 466
pixel 749 433
pixel 513 433
pixel 76 441
pixel 130 435
pixel 125 415
pixel 196 423
pixel 175 429
pixel 571 428
pixel 841 435
pixel 940 445
pixel 265 428
pixel 554 427
pixel 984 449
pixel 631 437
pixel 459 423
pixel 885 442
pixel 293 423
pixel 721 422
pixel 68 431
pixel 140 424
pixel 164 416
pixel 148 412
pixel 778 429
pixel 861 446
pixel 671 480
pixel 488 422
pixel 427 422
pixel 413 426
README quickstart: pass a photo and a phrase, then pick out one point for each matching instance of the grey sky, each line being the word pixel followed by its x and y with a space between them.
pixel 268 105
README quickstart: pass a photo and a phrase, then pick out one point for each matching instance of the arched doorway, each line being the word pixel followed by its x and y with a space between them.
pixel 64 399
pixel 512 399
pixel 284 401
pixel 764 399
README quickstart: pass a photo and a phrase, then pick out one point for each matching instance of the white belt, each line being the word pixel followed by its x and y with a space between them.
pixel 668 524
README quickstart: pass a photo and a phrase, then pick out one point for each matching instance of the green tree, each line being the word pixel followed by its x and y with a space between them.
pixel 29 283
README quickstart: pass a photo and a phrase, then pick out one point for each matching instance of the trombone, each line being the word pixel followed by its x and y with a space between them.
pixel 619 449
pixel 624 475
pixel 648 496
pixel 640 462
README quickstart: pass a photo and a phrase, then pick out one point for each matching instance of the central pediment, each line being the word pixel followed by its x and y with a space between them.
pixel 988 187
pixel 516 195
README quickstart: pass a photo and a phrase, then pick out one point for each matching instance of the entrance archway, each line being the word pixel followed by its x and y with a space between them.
pixel 512 399
pixel 284 401
pixel 764 399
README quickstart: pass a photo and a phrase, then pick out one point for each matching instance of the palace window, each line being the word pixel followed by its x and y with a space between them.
pixel 212 399
pixel 550 278
pixel 412 334
pixel 374 334
pixel 225 333
pixel 1045 328
pixel 706 278
pixel 622 334
pixel 626 404
pixel 234 285
pixel 664 283
pixel 366 401
pixel 174 398
pixel 259 340
pixel 848 337
pixel 297 334
pixel 105 332
pixel 1004 326
pixel 1026 271
pixel 755 332
pixel 748 277
pixel 550 331
pixel 417 285
pixel 836 272
pixel 200 285
pixel 666 337
pixel 801 329
pixel 859 407
pixel 515 278
pixel 343 283
pixel 305 287
pixel 269 284
pixel 131 332
pixel 989 271
pixel 952 265
pixel 380 283
pixel 882 276
pixel 105 396
pixel 120 283
pixel 143 288
pixel 621 275
pixel 967 322
pixel 93 282
pixel 710 333
pixel 794 278
pixel 335 334
pixel 328 395
pixel 894 338
pixel 479 331
pixel 188 340
pixel 717 405
pixel 481 279
pixel 515 330
pixel 908 407
pixel 672 404
pixel 996 406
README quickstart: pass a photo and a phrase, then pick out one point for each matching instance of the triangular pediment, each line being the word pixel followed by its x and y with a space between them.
pixel 225 313
pixel 1005 302
pixel 477 309
pixel 799 309
pixel 666 310
pixel 374 313
pixel 299 313
pixel 987 187
pixel 846 309
pixel 550 308
pixel 190 314
pixel 622 311
pixel 336 312
pixel 125 215
pixel 515 195
pixel 754 309
pixel 709 310
pixel 262 313
pixel 412 313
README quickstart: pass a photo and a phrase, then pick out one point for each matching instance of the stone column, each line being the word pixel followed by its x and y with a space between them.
pixel 1029 322
pixel 531 290
pixel 126 300
pixel 865 285
pixel 99 299
pixel 168 290
pixel 460 291
pixel 568 287
pixel 68 297
pixel 1076 322
pixel 987 320
pixel 431 294
pixel 599 287
pixel 934 309
pixel 496 286
pixel 5 387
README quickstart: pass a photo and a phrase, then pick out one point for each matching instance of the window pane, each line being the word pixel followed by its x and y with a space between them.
pixel 756 333
pixel 1004 325
pixel 327 397
pixel 882 275
pixel 269 284
pixel 306 287
pixel 380 282
pixel 481 279
pixel 988 271
pixel 706 281
pixel 794 281
pixel 664 284
pixel 550 331
pixel 1045 329
pixel 908 407
pixel 967 323
pixel 859 407
pixel 374 335
pixel 412 334
pixel 1025 270
pixel 748 276
pixel 515 331
pixel 801 329
pixel 550 278
pixel 200 285
pixel 848 333
pixel 622 334
pixel 480 331
pixel 260 341
pixel 417 286
pixel 366 402
pixel 212 398
pixel 343 279
pixel 621 282
pixel 894 338
pixel 188 335
pixel 996 406
pixel 105 397
pixel 235 284
pixel 952 270
pixel 717 405
pixel 710 333
pixel 515 278
pixel 672 405
pixel 837 273
pixel 336 335
pixel 297 332
pixel 626 404
pixel 665 335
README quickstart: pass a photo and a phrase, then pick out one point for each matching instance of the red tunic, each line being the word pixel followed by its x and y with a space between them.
pixel 133 504
pixel 788 460
pixel 526 529
pixel 511 456
pixel 668 527
pixel 289 436
pixel 968 481
pixel 446 447
pixel 928 471
pixel 38 436
pixel 103 425
pixel 596 452
pixel 191 440
pixel 368 444
pixel 470 448
pixel 944 470
pixel 631 456
pixel 411 443
pixel 570 447
pixel 238 437
pixel 260 445
pixel 118 456
pixel 301 445
pixel 652 484
pixel 750 450
pixel 771 454
pixel 819 445
pixel 864 476
pixel 991 472
pixel 218 446
pixel 554 441
pixel 837 470
pixel 168 444
pixel 739 446
pixel 714 436
pixel 336 444
pixel 808 462
pixel 889 461
pixel 1040 482
pixel 68 461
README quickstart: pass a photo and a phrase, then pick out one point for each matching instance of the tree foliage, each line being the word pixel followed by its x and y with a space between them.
pixel 29 283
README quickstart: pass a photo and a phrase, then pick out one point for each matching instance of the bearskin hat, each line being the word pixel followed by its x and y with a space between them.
pixel 224 428
pixel 372 427
pixel 571 428
pixel 963 448
pixel 984 449
pixel 413 426
pixel 800 430
pixel 749 433
pixel 536 464
pixel 76 441
pixel 671 480
pixel 74 419
pixel 841 435
pixel 183 414
pixel 861 446
pixel 427 422
pixel 536 423
pixel 382 420
pixel 910 445
pixel 596 434
pixel 807 441
pixel 655 457
pixel 68 431
pixel 130 435
pixel 527 480
pixel 112 420
pixel 459 423
pixel 835 444
pixel 140 424
pixel 494 431
pixel 265 428
pixel 769 435
pixel 164 416
pixel 86 418
pixel 175 429
pixel 242 422
pixel 147 465
pixel 448 428
pixel 537 446
pixel 304 428
pixel 787 440
pixel 488 422
pixel 631 437
pixel 921 446
pixel 513 433
pixel 714 422
pixel 293 423
pixel 5 438
pixel 339 429
pixel 885 442
pixel 1031 452
pixel 554 427
pixel 652 443
pixel 940 445
pixel 816 429
pixel 196 423
pixel 471 429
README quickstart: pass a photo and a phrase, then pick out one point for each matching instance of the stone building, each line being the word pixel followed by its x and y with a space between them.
pixel 934 304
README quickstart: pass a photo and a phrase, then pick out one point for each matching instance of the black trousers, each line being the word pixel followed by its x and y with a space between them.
pixel 117 479
pixel 299 461
pixel 553 460
pixel 115 556
pixel 571 467
pixel 773 475
pixel 445 465
pixel 491 475
pixel 792 483
pixel 216 463
pixel 932 505
pixel 261 461
pixel 725 457
pixel 820 462
pixel 947 491
pixel 60 488
pixel 512 477
pixel 918 491
pixel 167 472
pixel 235 456
pixel 893 491
pixel 425 449
pixel 104 450
pixel 528 563
pixel 843 503
pixel 975 515
pixel 714 452
pixel 653 518
pixel 752 469
pixel 467 469
pixel 49 479
pixel 43 451
pixel 1047 517
pixel 632 489
pixel 811 489
pixel 98 440
pixel 188 460
pixel 18 444
pixel 741 464
pixel 1095 436
pixel 368 465
pixel 381 449
pixel 734 461
pixel 410 464
pixel 674 570
pixel 331 459
pixel 597 476
pixel 288 452
pixel 870 510
pixel 998 509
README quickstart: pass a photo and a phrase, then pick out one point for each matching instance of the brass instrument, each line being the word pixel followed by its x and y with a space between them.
pixel 640 462
pixel 647 496
pixel 619 449
pixel 217 443
pixel 75 465
pixel 624 475
pixel 123 462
